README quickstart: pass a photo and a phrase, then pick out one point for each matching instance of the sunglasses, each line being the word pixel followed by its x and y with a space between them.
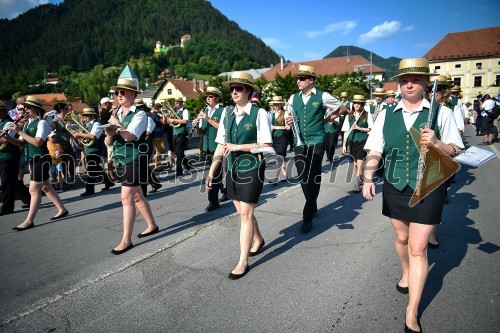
pixel 237 88
pixel 210 96
pixel 120 92
pixel 302 78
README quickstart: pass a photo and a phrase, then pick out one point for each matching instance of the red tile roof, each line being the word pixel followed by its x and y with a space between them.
pixel 185 87
pixel 390 86
pixel 467 44
pixel 51 97
pixel 328 66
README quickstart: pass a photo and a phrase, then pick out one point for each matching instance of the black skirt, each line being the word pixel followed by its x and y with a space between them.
pixel 428 211
pixel 133 173
pixel 357 151
pixel 280 143
pixel 40 168
pixel 247 186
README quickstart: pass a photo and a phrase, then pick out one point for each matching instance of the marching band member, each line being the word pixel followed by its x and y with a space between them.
pixel 359 123
pixel 9 164
pixel 132 170
pixel 310 105
pixel 209 123
pixel 379 104
pixel 391 137
pixel 34 135
pixel 280 134
pixel 93 152
pixel 180 136
pixel 242 129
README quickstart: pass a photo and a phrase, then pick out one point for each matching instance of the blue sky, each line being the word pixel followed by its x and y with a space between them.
pixel 309 30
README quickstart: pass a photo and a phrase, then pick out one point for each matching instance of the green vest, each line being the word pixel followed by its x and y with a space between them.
pixel 391 107
pixel 126 152
pixel 277 132
pixel 242 133
pixel 310 118
pixel 96 147
pixel 9 149
pixel 374 107
pixel 401 153
pixel 210 132
pixel 453 102
pixel 357 135
pixel 31 151
pixel 182 128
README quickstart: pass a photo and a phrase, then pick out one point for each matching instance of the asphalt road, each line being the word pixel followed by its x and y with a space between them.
pixel 61 277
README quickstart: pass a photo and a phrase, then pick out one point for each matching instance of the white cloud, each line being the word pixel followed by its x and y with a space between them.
pixel 408 28
pixel 12 8
pixel 385 31
pixel 275 43
pixel 343 27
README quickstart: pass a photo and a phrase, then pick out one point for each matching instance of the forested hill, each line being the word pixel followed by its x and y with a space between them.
pixel 390 65
pixel 83 33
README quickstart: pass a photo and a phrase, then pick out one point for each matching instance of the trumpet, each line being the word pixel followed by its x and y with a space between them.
pixel 73 126
pixel 6 131
pixel 295 125
pixel 170 113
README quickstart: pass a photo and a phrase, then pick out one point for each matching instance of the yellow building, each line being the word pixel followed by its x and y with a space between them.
pixel 472 58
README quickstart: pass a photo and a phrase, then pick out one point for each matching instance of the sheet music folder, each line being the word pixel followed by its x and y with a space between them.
pixel 475 156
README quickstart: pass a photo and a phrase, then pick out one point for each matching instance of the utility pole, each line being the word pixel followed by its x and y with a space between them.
pixel 371 75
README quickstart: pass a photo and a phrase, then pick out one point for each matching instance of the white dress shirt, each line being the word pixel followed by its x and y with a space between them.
pixel 139 122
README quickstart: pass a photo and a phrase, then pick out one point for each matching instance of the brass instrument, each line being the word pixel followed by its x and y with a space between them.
pixel 295 125
pixel 3 133
pixel 73 126
pixel 170 113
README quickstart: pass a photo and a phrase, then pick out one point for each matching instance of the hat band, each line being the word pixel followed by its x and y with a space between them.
pixel 414 70
pixel 244 81
pixel 126 86
pixel 306 73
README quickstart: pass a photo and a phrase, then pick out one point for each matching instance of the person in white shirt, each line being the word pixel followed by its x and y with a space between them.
pixel 390 137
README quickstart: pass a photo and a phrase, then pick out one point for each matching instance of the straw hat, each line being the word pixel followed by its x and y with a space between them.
pixel 358 98
pixel 127 84
pixel 139 102
pixel 33 101
pixel 390 93
pixel 443 81
pixel 256 101
pixel 305 70
pixel 456 89
pixel 276 100
pixel 179 99
pixel 90 111
pixel 414 66
pixel 214 91
pixel 379 92
pixel 243 78
pixel 343 94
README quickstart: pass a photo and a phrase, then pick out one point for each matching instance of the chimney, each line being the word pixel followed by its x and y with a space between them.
pixel 281 63
pixel 195 84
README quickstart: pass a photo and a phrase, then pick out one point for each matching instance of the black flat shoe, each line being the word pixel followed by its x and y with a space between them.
pixel 432 245
pixel 152 232
pixel 305 227
pixel 117 252
pixel 233 276
pixel 409 330
pixel 259 249
pixel 107 187
pixel 212 207
pixel 224 198
pixel 155 188
pixel 402 290
pixel 22 229
pixel 60 216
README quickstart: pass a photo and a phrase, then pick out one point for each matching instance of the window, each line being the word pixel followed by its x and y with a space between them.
pixel 497 80
pixel 479 65
pixel 169 92
pixel 457 81
pixel 458 65
pixel 478 81
pixel 437 67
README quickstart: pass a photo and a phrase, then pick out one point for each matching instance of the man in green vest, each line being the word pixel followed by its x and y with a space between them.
pixel 63 137
pixel 9 165
pixel 92 148
pixel 306 116
pixel 390 99
pixel 209 123
pixel 344 97
pixel 379 104
pixel 180 136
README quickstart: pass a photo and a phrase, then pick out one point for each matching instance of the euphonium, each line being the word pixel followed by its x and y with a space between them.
pixel 170 113
pixel 3 133
pixel 73 126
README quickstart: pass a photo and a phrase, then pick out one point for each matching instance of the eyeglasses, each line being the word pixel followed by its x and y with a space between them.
pixel 210 96
pixel 302 78
pixel 237 88
pixel 120 92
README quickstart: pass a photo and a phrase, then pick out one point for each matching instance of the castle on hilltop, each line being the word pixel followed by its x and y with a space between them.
pixel 165 49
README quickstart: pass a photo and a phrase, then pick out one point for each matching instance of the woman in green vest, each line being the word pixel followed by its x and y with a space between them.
pixel 390 137
pixel 34 135
pixel 242 129
pixel 132 170
pixel 280 134
pixel 359 123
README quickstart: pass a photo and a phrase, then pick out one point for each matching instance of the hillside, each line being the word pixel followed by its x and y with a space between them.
pixel 77 35
pixel 391 64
